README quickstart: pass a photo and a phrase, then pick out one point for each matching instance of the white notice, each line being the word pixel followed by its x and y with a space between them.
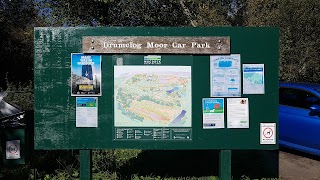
pixel 225 76
pixel 267 133
pixel 13 149
pixel 87 112
pixel 237 113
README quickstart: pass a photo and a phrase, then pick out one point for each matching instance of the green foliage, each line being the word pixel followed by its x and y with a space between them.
pixel 17 19
pixel 55 165
pixel 134 13
pixel 244 177
pixel 299 23
pixel 62 175
pixel 15 172
pixel 210 16
pixel 106 160
pixel 137 177
pixel 65 164
pixel 105 175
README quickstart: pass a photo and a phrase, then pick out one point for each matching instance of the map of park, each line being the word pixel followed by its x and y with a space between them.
pixel 253 78
pixel 152 96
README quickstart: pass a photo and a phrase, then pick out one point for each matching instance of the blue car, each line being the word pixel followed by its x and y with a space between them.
pixel 299 117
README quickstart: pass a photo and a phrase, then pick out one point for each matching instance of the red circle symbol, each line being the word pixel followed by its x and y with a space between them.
pixel 13 149
pixel 267 132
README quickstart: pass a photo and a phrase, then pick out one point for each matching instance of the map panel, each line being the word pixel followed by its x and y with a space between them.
pixel 152 96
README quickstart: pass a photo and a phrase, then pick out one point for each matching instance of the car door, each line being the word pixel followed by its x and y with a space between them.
pixel 297 124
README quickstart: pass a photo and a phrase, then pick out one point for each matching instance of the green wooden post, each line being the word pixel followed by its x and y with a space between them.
pixel 85 165
pixel 225 165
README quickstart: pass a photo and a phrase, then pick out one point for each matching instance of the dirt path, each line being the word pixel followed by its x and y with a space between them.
pixel 294 166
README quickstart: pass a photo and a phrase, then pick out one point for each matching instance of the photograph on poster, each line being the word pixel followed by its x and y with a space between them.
pixel 85 75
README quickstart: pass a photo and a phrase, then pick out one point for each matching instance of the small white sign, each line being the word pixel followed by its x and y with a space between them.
pixel 267 133
pixel 13 149
pixel 87 112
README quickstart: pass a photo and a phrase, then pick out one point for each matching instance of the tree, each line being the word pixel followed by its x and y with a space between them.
pixel 210 14
pixel 134 13
pixel 299 23
pixel 236 12
pixel 17 19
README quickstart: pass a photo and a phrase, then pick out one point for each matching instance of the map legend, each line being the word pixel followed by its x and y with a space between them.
pixel 153 134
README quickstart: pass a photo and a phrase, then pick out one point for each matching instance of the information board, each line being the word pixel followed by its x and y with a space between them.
pixel 153 99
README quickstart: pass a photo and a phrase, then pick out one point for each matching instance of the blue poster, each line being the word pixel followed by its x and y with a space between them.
pixel 253 79
pixel 225 76
pixel 85 75
pixel 213 113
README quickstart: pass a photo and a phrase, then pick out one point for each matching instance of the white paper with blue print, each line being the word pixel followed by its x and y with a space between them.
pixel 253 79
pixel 225 76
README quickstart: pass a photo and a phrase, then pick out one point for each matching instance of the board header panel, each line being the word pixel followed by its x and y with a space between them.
pixel 156 44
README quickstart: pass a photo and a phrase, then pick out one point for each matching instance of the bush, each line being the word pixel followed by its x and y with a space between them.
pixel 112 160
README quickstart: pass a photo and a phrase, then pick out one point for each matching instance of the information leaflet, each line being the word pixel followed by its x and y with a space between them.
pixel 237 113
pixel 87 112
pixel 225 76
pixel 213 113
pixel 253 78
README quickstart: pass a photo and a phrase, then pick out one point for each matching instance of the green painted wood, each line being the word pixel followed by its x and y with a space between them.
pixel 225 165
pixel 55 108
pixel 85 165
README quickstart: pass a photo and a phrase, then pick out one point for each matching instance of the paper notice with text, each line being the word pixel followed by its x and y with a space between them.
pixel 237 113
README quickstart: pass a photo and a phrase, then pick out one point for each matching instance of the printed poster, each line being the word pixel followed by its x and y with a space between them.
pixel 213 113
pixel 152 96
pixel 225 76
pixel 253 79
pixel 237 113
pixel 87 112
pixel 13 149
pixel 85 75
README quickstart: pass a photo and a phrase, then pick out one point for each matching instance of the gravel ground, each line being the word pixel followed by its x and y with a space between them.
pixel 298 166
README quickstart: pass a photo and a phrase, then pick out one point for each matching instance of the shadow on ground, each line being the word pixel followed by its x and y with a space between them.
pixel 199 163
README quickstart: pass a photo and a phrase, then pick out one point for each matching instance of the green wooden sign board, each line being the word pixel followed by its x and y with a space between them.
pixel 56 107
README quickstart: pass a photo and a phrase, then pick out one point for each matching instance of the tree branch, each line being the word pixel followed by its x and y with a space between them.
pixel 187 13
